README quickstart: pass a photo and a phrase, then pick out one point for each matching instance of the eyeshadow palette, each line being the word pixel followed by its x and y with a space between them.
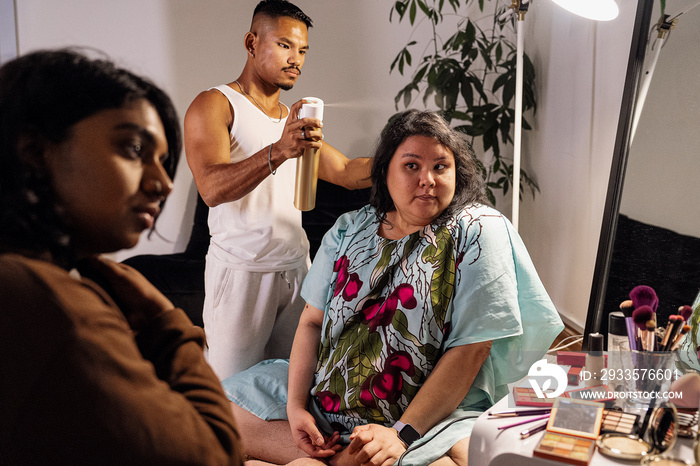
pixel 576 417
pixel 525 396
pixel 619 422
pixel 565 448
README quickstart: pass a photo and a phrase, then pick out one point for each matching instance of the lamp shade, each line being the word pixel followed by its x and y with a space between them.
pixel 600 10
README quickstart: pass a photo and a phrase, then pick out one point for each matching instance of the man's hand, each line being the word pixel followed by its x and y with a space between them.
pixel 298 134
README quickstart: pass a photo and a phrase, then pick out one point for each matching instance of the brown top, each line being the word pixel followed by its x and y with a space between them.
pixel 77 387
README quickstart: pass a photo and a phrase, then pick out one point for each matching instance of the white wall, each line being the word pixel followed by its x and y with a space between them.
pixel 187 46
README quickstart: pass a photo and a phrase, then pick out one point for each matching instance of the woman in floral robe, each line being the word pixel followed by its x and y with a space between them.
pixel 421 308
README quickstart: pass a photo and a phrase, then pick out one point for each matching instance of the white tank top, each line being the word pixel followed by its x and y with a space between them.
pixel 261 232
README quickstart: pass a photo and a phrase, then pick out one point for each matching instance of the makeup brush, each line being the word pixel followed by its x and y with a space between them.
pixel 674 323
pixel 651 334
pixel 640 316
pixel 644 295
pixel 679 338
pixel 685 312
pixel 627 307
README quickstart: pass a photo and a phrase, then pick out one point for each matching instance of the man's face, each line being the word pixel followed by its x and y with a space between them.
pixel 280 51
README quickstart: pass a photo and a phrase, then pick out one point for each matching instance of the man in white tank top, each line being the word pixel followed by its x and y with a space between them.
pixel 237 139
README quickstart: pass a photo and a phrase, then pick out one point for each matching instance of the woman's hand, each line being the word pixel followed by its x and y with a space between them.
pixel 137 298
pixel 375 445
pixel 307 436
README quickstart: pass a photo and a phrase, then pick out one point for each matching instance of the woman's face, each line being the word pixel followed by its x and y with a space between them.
pixel 421 180
pixel 109 178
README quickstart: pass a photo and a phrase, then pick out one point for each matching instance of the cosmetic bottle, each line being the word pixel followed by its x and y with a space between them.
pixel 595 360
pixel 307 164
pixel 617 332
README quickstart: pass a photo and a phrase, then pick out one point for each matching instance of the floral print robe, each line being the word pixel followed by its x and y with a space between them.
pixel 393 307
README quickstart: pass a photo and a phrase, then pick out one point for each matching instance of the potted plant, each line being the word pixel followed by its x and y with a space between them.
pixel 470 78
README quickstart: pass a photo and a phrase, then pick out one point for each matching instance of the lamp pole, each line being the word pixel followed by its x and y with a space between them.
pixel 520 7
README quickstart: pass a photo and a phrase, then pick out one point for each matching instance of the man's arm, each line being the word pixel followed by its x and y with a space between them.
pixel 207 148
pixel 335 168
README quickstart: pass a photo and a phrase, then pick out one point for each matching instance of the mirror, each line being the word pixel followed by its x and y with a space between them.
pixel 651 222
pixel 663 427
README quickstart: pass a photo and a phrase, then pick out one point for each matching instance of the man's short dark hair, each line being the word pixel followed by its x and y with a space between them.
pixel 280 9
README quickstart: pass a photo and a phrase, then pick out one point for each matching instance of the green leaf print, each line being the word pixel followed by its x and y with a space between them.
pixel 371 414
pixel 443 280
pixel 337 386
pixel 694 323
pixel 395 412
pixel 387 248
pixel 361 364
pixel 400 323
pixel 345 341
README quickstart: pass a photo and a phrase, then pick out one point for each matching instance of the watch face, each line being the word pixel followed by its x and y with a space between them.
pixel 408 434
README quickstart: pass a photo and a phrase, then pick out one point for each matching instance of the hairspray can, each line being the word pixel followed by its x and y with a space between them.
pixel 307 164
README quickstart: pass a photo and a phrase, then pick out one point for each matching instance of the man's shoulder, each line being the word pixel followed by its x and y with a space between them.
pixel 208 104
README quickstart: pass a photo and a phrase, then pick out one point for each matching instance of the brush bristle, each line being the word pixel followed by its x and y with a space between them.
pixel 627 307
pixel 685 312
pixel 644 295
pixel 641 315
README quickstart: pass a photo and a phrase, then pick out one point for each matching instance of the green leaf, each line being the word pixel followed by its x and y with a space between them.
pixel 412 12
pixel 393 63
pixel 426 10
pixel 420 73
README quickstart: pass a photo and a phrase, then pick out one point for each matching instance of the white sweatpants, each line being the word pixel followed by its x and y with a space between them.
pixel 249 316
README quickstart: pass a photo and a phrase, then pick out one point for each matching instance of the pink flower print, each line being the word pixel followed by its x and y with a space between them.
pixel 366 397
pixel 350 284
pixel 387 385
pixel 380 314
pixel 329 400
pixel 341 266
pixel 352 287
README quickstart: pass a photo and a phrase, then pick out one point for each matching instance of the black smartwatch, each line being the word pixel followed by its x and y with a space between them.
pixel 407 433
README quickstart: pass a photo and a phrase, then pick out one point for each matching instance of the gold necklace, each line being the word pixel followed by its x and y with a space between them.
pixel 260 106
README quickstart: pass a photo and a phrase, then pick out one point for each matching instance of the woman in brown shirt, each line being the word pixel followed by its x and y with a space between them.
pixel 93 374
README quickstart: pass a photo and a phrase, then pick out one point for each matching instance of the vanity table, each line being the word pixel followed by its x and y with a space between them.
pixel 490 447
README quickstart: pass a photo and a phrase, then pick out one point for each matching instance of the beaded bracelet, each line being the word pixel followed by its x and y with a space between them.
pixel 269 160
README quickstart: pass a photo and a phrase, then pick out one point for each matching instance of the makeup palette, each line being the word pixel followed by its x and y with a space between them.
pixel 525 396
pixel 619 422
pixel 572 430
pixel 565 448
